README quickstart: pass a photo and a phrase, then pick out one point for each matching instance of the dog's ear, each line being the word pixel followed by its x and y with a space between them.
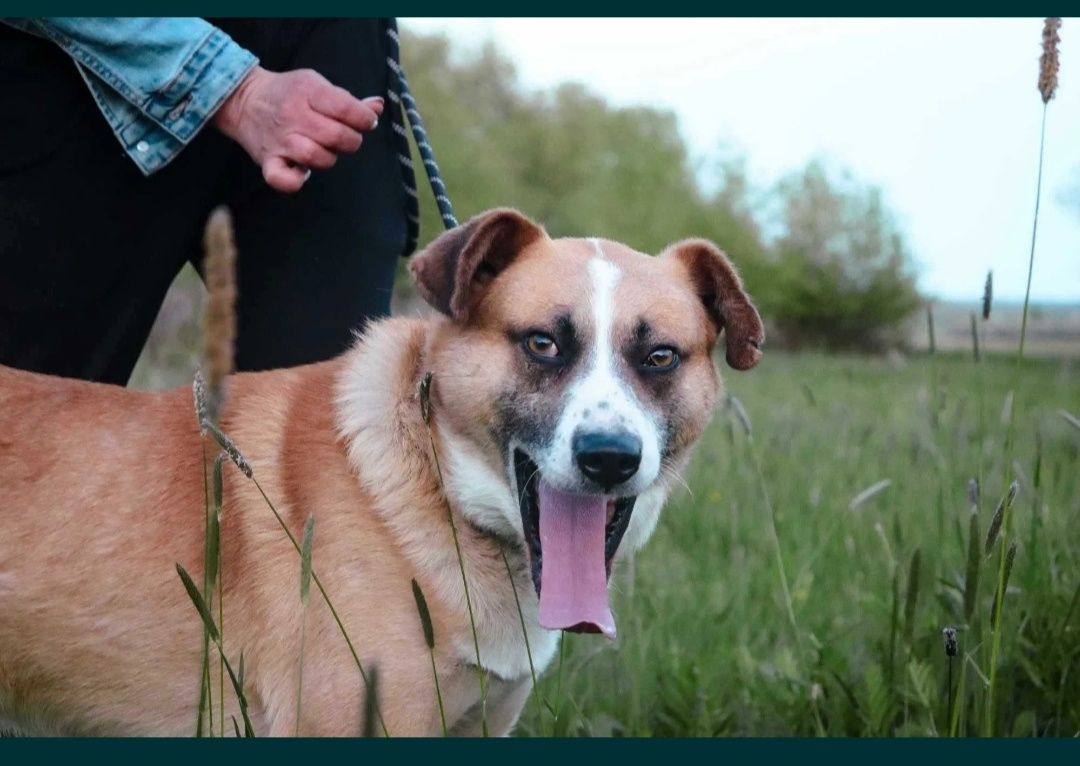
pixel 716 281
pixel 453 272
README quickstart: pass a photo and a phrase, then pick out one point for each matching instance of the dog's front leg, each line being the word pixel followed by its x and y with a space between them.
pixel 505 701
pixel 334 699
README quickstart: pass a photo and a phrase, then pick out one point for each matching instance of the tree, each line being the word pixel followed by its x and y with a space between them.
pixel 843 276
pixel 577 164
pixel 837 275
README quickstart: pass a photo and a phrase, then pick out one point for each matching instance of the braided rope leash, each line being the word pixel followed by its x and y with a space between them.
pixel 403 104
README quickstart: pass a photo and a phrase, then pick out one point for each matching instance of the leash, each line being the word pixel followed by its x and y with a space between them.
pixel 403 104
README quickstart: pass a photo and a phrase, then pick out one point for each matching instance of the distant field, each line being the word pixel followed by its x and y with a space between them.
pixel 1053 330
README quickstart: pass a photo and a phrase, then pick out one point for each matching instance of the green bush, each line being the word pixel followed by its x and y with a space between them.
pixel 842 274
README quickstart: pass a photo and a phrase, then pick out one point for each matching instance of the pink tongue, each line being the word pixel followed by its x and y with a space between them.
pixel 573 575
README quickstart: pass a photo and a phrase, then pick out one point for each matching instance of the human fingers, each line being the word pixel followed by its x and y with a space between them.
pixel 333 135
pixel 284 177
pixel 339 104
pixel 305 151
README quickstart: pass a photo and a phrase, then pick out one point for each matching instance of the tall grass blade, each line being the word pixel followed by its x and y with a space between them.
pixel 426 413
pixel 739 411
pixel 371 703
pixel 306 544
pixel 894 625
pixel 912 598
pixel 1069 418
pixel 211 628
pixel 525 637
pixel 305 559
pixel 974 559
pixel 204 672
pixel 999 596
pixel 930 328
pixel 974 337
pixel 200 604
pixel 869 493
pixel 429 639
pixel 213 537
pixel 322 592
pixel 212 577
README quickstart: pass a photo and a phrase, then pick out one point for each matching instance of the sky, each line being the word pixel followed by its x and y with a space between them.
pixel 942 114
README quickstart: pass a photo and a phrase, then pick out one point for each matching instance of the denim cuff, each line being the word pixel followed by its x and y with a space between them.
pixel 210 74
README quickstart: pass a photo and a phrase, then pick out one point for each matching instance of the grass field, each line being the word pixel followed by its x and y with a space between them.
pixel 707 644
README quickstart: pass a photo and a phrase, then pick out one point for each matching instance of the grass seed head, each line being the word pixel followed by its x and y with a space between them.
pixel 988 294
pixel 1048 62
pixel 425 398
pixel 305 558
pixel 425 615
pixel 999 515
pixel 198 392
pixel 872 491
pixel 230 449
pixel 219 320
pixel 949 634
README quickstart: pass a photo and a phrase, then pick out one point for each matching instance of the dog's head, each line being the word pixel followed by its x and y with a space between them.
pixel 570 382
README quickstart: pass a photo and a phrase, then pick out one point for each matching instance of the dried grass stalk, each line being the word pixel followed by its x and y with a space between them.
pixel 1048 62
pixel 219 319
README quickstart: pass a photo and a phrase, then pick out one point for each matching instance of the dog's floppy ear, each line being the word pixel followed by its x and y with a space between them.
pixel 454 270
pixel 716 281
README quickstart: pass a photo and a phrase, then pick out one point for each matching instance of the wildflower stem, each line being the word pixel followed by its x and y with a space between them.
pixel 425 404
pixel 525 635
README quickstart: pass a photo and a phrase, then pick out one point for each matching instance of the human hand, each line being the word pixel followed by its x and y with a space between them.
pixel 290 122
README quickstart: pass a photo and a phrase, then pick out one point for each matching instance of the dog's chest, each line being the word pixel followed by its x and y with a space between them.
pixel 506 651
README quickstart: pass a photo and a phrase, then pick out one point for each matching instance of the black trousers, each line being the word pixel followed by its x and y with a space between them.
pixel 88 246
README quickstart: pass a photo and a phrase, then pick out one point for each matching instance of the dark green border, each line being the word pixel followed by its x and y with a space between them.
pixel 794 752
pixel 791 752
pixel 550 8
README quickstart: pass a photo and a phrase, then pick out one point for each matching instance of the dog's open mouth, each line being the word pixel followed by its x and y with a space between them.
pixel 571 541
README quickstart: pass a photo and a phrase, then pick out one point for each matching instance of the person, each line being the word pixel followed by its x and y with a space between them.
pixel 120 135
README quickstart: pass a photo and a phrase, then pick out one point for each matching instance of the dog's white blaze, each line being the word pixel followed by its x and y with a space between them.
pixel 600 400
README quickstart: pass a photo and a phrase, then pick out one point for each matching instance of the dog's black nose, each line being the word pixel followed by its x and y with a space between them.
pixel 607 458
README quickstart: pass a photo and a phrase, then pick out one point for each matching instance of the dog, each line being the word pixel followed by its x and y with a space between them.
pixel 565 383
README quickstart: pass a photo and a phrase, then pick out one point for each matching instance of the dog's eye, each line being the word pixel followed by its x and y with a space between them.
pixel 542 345
pixel 662 358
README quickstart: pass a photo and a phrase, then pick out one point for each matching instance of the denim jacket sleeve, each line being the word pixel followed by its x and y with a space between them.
pixel 157 81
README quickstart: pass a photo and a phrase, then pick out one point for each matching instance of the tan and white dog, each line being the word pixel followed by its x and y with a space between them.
pixel 571 377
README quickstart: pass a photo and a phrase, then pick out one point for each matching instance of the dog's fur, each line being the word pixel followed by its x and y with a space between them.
pixel 102 493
